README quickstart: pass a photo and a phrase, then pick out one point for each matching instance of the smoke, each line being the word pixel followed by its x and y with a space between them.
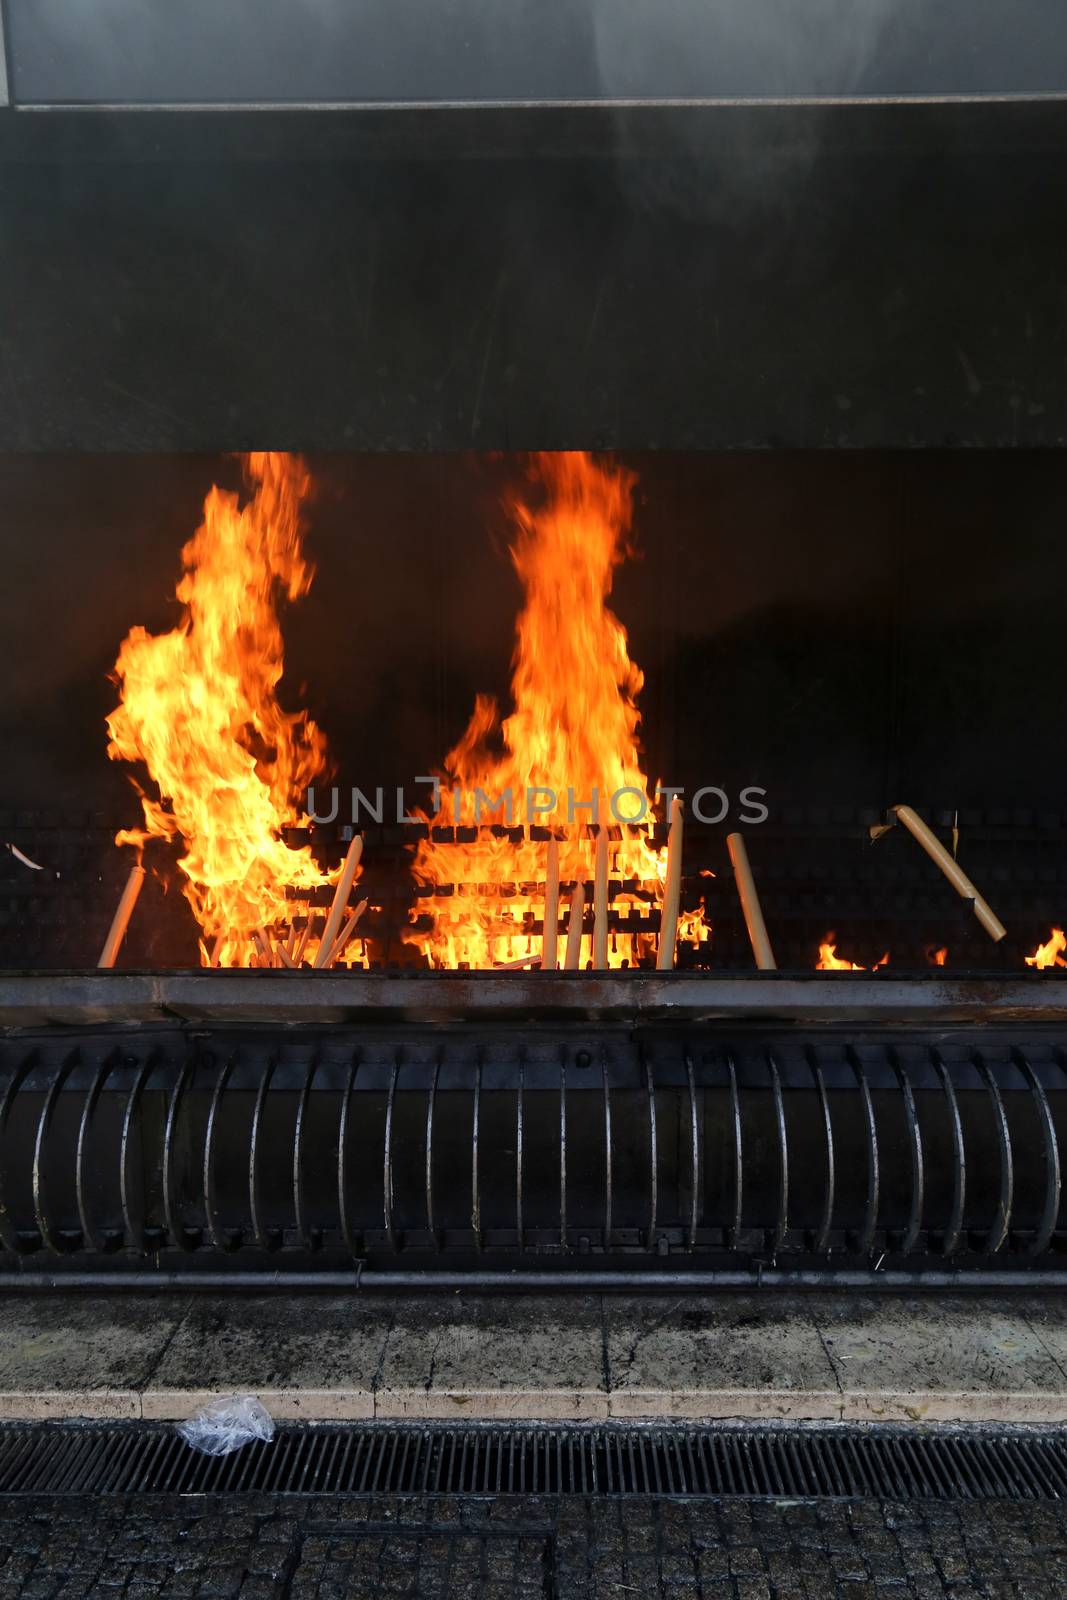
pixel 723 50
pixel 746 157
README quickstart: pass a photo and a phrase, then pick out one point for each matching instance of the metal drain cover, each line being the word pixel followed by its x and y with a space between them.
pixel 795 1462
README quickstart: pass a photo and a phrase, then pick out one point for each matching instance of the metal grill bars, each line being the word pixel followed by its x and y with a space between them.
pixel 471 1144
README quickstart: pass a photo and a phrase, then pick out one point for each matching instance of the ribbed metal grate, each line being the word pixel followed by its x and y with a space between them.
pixel 792 1462
pixel 346 1150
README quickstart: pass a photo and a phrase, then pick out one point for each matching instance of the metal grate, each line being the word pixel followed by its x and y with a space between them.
pixel 338 1146
pixel 802 1462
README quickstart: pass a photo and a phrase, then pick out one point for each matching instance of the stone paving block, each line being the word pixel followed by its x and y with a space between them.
pixel 513 1546
pixel 506 1357
pixel 943 1358
pixel 1047 1316
pixel 721 1357
pixel 319 1359
pixel 102 1349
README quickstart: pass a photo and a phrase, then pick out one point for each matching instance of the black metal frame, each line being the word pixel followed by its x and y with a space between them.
pixel 937 998
pixel 555 1151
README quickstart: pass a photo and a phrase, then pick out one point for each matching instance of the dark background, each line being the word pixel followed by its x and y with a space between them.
pixel 842 629
pixel 857 276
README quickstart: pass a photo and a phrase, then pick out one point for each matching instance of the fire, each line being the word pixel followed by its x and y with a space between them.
pixel 198 707
pixel 829 961
pixel 1050 954
pixel 574 727
pixel 937 958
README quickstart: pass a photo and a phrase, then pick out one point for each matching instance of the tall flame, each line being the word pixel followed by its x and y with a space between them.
pixel 198 707
pixel 574 727
pixel 1050 954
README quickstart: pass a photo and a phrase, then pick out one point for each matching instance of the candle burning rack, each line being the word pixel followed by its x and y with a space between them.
pixel 816 871
pixel 533 1127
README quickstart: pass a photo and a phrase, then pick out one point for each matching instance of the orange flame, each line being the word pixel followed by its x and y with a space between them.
pixel 1050 954
pixel 574 726
pixel 198 707
pixel 937 958
pixel 829 961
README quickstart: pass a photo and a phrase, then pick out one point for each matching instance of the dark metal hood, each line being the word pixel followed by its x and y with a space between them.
pixel 468 52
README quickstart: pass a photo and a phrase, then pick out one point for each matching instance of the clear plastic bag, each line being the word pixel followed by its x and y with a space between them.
pixel 225 1425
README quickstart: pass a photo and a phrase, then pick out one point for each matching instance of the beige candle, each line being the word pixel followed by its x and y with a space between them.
pixel 750 906
pixel 346 933
pixel 120 921
pixel 573 953
pixel 301 944
pixel 340 901
pixel 600 900
pixel 954 873
pixel 672 891
pixel 550 933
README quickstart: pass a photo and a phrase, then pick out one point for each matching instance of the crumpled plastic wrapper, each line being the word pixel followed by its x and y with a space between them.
pixel 226 1425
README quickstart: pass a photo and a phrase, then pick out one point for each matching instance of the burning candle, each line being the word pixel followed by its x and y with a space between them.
pixel 340 901
pixel 573 953
pixel 346 934
pixel 550 932
pixel 120 921
pixel 750 906
pixel 672 891
pixel 301 943
pixel 600 899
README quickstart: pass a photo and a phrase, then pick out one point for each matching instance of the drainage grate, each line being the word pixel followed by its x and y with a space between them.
pixel 885 1463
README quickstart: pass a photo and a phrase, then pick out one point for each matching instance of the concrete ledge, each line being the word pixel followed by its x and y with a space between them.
pixel 59 1405
pixel 809 1358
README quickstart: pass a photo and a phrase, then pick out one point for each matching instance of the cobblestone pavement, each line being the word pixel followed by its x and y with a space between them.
pixel 512 1547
